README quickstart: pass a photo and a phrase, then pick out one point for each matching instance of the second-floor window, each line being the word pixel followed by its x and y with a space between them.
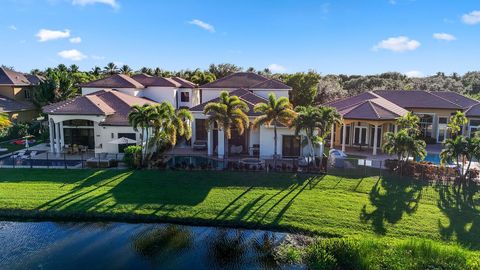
pixel 185 97
pixel 27 93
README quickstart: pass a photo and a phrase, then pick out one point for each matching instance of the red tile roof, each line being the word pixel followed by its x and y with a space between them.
pixel 245 95
pixel 113 104
pixel 13 78
pixel 10 105
pixel 114 81
pixel 247 80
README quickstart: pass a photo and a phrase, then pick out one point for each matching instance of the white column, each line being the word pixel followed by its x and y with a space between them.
pixel 221 144
pixel 194 136
pixel 62 138
pixel 210 142
pixel 375 139
pixel 57 138
pixel 344 136
pixel 51 130
pixel 331 136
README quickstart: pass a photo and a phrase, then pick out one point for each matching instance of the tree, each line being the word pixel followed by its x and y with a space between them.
pixel 222 70
pixel 170 124
pixel 111 68
pixel 404 145
pixel 4 121
pixel 125 69
pixel 201 77
pixel 57 86
pixel 146 70
pixel 329 89
pixel 96 71
pixel 228 113
pixel 457 122
pixel 462 151
pixel 142 117
pixel 316 122
pixel 411 123
pixel 274 112
pixel 73 68
pixel 304 88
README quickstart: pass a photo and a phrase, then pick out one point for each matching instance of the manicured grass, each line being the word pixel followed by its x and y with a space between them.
pixel 328 205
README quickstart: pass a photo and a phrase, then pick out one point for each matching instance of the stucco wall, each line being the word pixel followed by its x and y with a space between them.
pixel 103 135
pixel 267 141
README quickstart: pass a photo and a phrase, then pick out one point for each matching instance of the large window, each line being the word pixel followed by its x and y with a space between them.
pixel 290 146
pixel 79 136
pixel 474 126
pixel 185 97
pixel 347 137
pixel 201 132
pixel 360 135
pixel 426 125
pixel 78 123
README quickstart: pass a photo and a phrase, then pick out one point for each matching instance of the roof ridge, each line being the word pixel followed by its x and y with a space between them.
pixel 385 108
pixel 373 108
pixel 90 97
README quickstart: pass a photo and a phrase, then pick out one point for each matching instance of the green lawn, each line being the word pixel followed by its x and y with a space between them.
pixel 330 205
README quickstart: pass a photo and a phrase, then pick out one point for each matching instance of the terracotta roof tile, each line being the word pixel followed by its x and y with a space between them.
pixel 246 80
pixel 114 81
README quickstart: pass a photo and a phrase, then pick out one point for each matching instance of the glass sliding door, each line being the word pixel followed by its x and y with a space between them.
pixel 290 146
pixel 360 135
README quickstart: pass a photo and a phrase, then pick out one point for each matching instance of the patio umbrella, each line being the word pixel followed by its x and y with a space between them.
pixel 123 140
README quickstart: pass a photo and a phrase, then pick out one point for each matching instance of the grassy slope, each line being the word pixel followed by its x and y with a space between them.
pixel 329 205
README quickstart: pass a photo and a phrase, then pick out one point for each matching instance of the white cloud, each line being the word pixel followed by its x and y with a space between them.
pixel 203 25
pixel 112 3
pixel 46 34
pixel 73 55
pixel 472 17
pixel 444 36
pixel 12 27
pixel 75 40
pixel 276 68
pixel 414 74
pixel 397 44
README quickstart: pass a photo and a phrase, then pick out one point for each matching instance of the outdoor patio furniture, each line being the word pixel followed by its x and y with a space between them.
pixel 200 145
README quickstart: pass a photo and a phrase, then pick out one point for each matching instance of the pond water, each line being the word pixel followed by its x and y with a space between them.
pixel 62 245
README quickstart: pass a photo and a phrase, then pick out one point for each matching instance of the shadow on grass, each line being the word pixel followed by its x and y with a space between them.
pixel 391 199
pixel 461 204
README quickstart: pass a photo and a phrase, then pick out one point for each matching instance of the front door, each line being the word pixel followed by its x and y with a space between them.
pixel 360 136
pixel 290 146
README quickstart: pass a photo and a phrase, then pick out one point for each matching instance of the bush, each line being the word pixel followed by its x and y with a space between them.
pixel 133 156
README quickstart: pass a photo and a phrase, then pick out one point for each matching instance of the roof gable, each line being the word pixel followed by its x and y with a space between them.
pixel 10 77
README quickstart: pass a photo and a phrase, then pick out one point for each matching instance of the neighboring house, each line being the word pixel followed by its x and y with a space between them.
pixel 93 120
pixel 16 95
pixel 369 115
pixel 179 92
pixel 100 115
pixel 252 89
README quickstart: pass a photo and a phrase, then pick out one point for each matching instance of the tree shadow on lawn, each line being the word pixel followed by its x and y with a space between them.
pixel 165 189
pixel 391 200
pixel 461 204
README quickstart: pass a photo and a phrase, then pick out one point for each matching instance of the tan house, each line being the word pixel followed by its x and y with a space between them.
pixel 367 116
pixel 16 95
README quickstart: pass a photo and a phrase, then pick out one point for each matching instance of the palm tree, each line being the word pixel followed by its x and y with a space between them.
pixel 96 71
pixel 125 69
pixel 461 151
pixel 73 68
pixel 316 122
pixel 111 68
pixel 146 70
pixel 142 117
pixel 4 121
pixel 276 111
pixel 171 124
pixel 229 113
pixel 403 145
pixel 410 122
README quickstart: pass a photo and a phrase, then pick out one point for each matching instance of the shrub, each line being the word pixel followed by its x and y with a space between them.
pixel 133 156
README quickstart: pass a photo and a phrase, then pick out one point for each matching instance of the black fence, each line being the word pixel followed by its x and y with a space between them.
pixel 48 160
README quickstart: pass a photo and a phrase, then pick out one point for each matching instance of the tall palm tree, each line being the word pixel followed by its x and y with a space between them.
pixel 73 68
pixel 274 112
pixel 146 70
pixel 96 71
pixel 4 121
pixel 461 150
pixel 228 113
pixel 316 122
pixel 403 145
pixel 111 68
pixel 142 117
pixel 170 124
pixel 125 69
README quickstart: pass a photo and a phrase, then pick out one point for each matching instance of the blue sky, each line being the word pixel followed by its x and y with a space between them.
pixel 418 37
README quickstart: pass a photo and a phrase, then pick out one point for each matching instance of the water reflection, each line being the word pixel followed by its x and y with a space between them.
pixel 52 245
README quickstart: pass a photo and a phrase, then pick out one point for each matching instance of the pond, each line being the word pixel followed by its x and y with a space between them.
pixel 64 245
